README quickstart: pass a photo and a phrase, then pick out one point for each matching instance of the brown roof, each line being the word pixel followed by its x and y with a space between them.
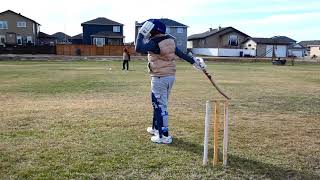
pixel 212 32
pixel 268 41
pixel 310 43
pixel 9 11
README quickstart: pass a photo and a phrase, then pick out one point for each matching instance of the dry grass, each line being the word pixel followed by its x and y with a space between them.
pixel 80 120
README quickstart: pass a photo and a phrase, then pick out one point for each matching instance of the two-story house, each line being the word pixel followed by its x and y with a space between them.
pixel 174 28
pixel 16 29
pixel 102 31
pixel 223 41
pixel 222 37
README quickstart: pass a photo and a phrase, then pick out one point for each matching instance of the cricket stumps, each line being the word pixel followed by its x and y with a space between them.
pixel 216 125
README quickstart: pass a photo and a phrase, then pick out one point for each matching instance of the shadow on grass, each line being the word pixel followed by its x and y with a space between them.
pixel 242 164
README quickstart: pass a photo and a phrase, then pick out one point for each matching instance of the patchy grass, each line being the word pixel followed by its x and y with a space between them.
pixel 71 120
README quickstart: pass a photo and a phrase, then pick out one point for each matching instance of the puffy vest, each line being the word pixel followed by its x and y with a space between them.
pixel 163 64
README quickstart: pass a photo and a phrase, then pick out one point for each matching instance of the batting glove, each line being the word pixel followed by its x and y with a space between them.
pixel 199 64
pixel 146 29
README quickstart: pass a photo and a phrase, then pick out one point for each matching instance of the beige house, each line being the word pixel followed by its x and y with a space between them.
pixel 227 37
pixel 267 47
pixel 315 51
pixel 308 44
pixel 16 29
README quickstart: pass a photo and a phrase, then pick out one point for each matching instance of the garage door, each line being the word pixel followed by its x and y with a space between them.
pixel 296 53
pixel 280 51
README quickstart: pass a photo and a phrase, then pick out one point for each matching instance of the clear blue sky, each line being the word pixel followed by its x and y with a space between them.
pixel 297 19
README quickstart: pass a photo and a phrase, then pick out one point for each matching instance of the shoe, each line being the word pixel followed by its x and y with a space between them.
pixel 163 140
pixel 152 131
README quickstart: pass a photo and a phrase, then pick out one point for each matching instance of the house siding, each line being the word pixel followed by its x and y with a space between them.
pixel 91 29
pixel 315 51
pixel 253 45
pixel 261 50
pixel 180 37
pixel 13 31
pixel 218 40
pixel 225 40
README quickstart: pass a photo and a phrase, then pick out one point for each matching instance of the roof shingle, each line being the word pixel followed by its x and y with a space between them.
pixel 78 36
pixel 101 21
pixel 167 22
pixel 9 11
pixel 205 34
pixel 310 43
pixel 269 41
pixel 284 39
pixel 212 32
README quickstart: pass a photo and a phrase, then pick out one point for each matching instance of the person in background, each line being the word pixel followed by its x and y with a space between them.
pixel 125 58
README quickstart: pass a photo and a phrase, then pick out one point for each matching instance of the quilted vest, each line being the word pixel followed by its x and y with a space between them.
pixel 163 64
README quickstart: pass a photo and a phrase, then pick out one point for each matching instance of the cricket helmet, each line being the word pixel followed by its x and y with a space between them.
pixel 158 25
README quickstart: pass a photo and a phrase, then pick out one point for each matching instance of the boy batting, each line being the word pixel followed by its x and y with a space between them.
pixel 162 53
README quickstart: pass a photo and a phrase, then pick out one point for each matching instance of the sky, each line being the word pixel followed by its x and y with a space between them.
pixel 297 19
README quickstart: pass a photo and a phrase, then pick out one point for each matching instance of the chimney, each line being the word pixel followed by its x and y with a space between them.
pixel 210 29
pixel 219 28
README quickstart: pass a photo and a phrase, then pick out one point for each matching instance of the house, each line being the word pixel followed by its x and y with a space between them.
pixel 223 41
pixel 102 31
pixel 77 39
pixel 284 39
pixel 61 38
pixel 174 28
pixel 315 51
pixel 309 44
pixel 46 39
pixel 265 47
pixel 294 49
pixel 16 29
pixel 227 37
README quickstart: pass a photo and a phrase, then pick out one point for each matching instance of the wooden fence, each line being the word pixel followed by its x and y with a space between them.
pixel 91 50
pixel 28 50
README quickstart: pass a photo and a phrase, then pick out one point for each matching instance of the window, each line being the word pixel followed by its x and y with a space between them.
pixel 233 40
pixel 249 45
pixel 179 30
pixel 167 30
pixel 21 24
pixel 19 40
pixel 29 39
pixel 3 24
pixel 114 41
pixel 99 41
pixel 116 28
pixel 2 39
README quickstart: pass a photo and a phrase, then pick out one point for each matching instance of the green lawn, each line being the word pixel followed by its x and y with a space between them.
pixel 80 120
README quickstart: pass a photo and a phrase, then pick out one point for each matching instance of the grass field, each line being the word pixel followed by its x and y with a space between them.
pixel 64 120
